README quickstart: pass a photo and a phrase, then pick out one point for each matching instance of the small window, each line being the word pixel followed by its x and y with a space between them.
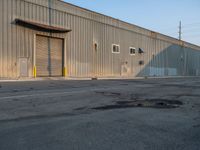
pixel 132 50
pixel 115 48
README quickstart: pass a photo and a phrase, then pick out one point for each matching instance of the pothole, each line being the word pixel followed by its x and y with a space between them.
pixel 156 103
pixel 112 94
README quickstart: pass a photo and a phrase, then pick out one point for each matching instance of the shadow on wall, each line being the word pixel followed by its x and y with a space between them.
pixel 175 60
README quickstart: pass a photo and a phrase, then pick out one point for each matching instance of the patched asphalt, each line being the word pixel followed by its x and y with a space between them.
pixel 144 114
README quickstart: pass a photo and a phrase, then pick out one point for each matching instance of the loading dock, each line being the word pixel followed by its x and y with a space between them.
pixel 49 56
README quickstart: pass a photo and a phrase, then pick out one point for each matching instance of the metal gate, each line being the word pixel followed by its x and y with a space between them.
pixel 49 56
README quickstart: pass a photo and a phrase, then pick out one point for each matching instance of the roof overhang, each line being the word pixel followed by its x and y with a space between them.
pixel 41 27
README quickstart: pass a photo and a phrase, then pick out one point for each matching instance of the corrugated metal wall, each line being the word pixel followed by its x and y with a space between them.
pixel 164 56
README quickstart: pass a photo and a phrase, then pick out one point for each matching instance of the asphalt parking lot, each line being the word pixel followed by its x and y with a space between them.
pixel 143 114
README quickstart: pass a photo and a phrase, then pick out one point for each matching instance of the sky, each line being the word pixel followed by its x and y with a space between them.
pixel 158 15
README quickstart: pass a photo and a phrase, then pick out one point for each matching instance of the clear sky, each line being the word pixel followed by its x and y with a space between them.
pixel 159 15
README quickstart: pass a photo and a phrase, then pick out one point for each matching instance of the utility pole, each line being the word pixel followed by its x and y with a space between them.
pixel 180 31
pixel 50 11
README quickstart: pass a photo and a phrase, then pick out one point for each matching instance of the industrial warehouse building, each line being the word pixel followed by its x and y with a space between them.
pixel 47 38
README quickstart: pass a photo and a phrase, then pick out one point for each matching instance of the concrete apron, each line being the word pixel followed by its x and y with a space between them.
pixel 87 78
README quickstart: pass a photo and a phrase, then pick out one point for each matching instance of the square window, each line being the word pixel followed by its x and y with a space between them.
pixel 132 50
pixel 115 48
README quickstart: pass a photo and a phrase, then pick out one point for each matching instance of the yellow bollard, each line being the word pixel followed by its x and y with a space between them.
pixel 65 72
pixel 34 72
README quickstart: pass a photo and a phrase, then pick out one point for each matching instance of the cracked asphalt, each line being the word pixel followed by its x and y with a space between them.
pixel 61 115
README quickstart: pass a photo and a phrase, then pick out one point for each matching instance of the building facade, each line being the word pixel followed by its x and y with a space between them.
pixel 44 38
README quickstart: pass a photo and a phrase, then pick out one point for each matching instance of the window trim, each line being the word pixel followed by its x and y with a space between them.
pixel 130 51
pixel 115 45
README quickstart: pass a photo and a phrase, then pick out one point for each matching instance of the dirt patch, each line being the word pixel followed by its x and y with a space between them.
pixel 156 103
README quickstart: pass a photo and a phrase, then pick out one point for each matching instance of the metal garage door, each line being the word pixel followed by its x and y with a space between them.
pixel 49 56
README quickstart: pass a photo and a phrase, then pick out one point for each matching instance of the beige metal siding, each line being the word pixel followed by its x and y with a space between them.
pixel 49 56
pixel 162 55
pixel 1 38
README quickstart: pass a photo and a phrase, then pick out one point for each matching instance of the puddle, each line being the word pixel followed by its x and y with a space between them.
pixel 156 103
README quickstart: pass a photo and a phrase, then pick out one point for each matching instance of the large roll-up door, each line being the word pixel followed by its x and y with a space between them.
pixel 49 56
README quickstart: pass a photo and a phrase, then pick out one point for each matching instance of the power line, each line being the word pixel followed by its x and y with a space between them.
pixel 191 30
pixel 194 35
pixel 191 27
pixel 165 29
pixel 186 25
pixel 183 26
